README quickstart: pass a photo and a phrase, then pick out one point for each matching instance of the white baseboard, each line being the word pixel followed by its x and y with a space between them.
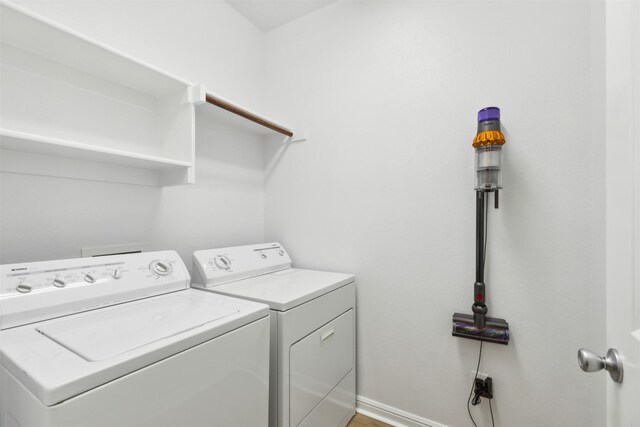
pixel 391 415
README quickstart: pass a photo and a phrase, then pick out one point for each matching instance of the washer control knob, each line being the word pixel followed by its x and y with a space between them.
pixel 263 255
pixel 116 274
pixel 222 262
pixel 59 283
pixel 89 278
pixel 24 288
pixel 280 252
pixel 161 268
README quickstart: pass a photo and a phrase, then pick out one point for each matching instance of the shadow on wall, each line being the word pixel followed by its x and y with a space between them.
pixel 275 149
pixel 225 207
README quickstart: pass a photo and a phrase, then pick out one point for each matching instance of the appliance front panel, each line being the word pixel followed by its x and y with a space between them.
pixel 318 363
pixel 213 267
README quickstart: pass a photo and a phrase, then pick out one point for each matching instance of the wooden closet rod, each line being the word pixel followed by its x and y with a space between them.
pixel 247 115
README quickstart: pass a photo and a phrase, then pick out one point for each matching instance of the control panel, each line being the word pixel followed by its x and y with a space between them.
pixel 31 292
pixel 213 267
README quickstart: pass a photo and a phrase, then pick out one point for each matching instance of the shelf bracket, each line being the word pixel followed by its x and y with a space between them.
pixel 197 95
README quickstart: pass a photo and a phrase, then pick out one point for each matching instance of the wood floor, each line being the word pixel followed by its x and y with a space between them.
pixel 362 421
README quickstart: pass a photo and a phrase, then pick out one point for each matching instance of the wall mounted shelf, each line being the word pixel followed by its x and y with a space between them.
pixel 64 96
pixel 72 107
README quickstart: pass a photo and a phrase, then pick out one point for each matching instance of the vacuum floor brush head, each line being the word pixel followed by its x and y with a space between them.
pixel 496 330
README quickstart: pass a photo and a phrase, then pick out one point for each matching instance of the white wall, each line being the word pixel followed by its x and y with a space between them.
pixel 388 92
pixel 203 42
pixel 384 188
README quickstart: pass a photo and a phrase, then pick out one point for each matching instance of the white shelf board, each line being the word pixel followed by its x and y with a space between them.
pixel 23 29
pixel 37 144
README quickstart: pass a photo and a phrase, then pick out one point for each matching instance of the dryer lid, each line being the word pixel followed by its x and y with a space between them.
pixel 107 333
pixel 286 289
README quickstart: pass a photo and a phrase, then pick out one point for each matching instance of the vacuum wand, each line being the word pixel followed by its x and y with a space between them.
pixel 479 307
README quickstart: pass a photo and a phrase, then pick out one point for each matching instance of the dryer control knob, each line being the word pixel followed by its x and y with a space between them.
pixel 116 274
pixel 89 278
pixel 59 283
pixel 222 262
pixel 161 268
pixel 280 252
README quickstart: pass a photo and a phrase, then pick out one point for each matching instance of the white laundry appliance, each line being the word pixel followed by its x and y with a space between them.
pixel 123 341
pixel 312 329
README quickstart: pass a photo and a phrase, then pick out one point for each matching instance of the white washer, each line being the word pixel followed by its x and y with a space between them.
pixel 312 329
pixel 123 341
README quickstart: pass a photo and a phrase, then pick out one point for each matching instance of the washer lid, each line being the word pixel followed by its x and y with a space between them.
pixel 126 337
pixel 286 289
pixel 106 333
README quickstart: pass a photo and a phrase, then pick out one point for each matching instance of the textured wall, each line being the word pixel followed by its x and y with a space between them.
pixel 384 189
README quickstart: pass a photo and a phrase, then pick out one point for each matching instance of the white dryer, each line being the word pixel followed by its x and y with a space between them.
pixel 312 329
pixel 123 341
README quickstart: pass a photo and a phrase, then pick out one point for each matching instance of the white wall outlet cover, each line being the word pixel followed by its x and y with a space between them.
pixel 481 375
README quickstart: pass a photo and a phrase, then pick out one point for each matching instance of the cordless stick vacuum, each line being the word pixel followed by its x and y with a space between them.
pixel 488 161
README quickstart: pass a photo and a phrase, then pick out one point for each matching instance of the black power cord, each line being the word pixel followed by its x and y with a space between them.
pixel 473 386
pixel 491 410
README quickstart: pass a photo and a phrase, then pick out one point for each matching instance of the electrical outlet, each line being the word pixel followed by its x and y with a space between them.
pixel 484 387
